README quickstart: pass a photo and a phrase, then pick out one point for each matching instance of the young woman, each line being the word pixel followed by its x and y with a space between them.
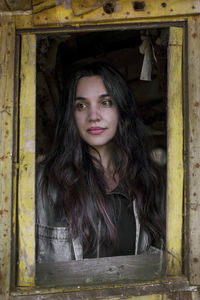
pixel 98 191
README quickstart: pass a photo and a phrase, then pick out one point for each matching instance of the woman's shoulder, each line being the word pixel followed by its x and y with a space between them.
pixel 47 197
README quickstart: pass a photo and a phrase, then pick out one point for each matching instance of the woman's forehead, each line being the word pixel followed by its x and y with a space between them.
pixel 90 85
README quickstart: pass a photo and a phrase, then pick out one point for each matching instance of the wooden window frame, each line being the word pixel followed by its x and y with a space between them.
pixel 26 191
pixel 181 11
pixel 192 91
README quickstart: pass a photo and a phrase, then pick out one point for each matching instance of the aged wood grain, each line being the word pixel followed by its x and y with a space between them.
pixel 91 296
pixel 3 6
pixel 42 5
pixel 165 290
pixel 80 7
pixel 124 11
pixel 14 236
pixel 7 42
pixel 122 269
pixel 26 198
pixel 175 153
pixel 10 5
pixel 194 148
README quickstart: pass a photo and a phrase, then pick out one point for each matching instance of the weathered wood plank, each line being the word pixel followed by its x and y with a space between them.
pixel 10 5
pixel 80 7
pixel 14 236
pixel 26 22
pixel 123 11
pixel 195 295
pixel 165 290
pixel 175 153
pixel 89 297
pixel 121 269
pixel 7 54
pixel 26 198
pixel 3 6
pixel 194 148
pixel 42 5
pixel 171 296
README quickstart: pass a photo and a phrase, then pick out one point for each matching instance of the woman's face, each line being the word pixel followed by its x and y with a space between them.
pixel 96 116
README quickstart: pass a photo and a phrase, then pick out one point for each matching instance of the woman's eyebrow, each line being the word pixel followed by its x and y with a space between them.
pixel 80 98
pixel 104 96
pixel 100 97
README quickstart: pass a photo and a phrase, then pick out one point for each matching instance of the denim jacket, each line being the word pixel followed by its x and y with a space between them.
pixel 53 240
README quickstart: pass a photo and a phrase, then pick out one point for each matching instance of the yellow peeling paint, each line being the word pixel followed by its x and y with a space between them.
pixel 143 297
pixel 194 149
pixel 26 201
pixel 7 42
pixel 41 5
pixel 175 153
pixel 62 18
pixel 26 22
pixel 123 11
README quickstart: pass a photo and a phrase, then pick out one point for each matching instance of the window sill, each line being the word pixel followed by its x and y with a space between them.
pixel 165 286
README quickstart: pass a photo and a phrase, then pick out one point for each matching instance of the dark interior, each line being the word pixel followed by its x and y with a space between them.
pixel 57 52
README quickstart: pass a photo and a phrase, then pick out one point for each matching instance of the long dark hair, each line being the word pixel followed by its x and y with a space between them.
pixel 71 168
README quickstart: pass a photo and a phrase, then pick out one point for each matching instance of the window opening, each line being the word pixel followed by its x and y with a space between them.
pixel 55 54
pixel 126 51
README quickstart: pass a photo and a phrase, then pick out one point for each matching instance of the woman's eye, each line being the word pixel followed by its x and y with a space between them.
pixel 106 103
pixel 80 106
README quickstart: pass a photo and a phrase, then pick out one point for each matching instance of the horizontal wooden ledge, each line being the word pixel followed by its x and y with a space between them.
pixel 168 285
pixel 124 10
pixel 119 269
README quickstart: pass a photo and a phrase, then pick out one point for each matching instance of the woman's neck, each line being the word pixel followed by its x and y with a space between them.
pixel 106 158
pixel 111 179
pixel 105 155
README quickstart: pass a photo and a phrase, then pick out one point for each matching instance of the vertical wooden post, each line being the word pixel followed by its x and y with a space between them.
pixel 26 199
pixel 175 153
pixel 7 54
pixel 194 148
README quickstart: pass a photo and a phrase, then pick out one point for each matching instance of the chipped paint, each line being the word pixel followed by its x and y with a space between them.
pixel 7 41
pixel 157 11
pixel 58 15
pixel 65 3
pixel 6 109
pixel 29 146
pixel 175 153
pixel 193 148
pixel 29 143
pixel 195 260
pixel 26 206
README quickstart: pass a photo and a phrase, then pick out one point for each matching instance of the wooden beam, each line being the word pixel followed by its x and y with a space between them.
pixel 3 6
pixel 91 296
pixel 194 148
pixel 7 54
pixel 175 153
pixel 112 292
pixel 10 5
pixel 124 10
pixel 26 198
pixel 108 270
pixel 42 5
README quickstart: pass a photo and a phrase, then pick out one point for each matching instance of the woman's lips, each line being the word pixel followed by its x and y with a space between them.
pixel 96 130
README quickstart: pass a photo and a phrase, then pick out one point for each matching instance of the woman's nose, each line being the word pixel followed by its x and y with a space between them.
pixel 94 114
